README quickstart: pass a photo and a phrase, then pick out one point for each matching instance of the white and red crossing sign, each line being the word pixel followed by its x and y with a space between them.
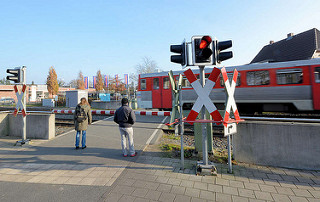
pixel 231 104
pixel 20 103
pixel 204 99
pixel 203 95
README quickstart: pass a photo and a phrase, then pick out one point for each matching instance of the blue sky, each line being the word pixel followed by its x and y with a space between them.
pixel 114 35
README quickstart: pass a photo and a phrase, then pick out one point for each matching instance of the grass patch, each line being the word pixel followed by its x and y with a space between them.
pixel 174 150
pixel 171 136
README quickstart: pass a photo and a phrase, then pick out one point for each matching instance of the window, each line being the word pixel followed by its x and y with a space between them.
pixel 143 84
pixel 205 76
pixel 230 77
pixel 156 83
pixel 258 78
pixel 185 83
pixel 289 76
pixel 317 74
pixel 166 83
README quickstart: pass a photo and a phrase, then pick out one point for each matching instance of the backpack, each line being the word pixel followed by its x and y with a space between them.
pixel 81 115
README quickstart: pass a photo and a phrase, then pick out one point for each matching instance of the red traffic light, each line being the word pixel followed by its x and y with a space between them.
pixel 205 42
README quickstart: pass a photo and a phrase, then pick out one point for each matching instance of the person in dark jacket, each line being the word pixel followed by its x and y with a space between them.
pixel 82 125
pixel 125 117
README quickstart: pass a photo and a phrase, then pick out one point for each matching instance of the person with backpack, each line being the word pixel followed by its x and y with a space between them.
pixel 125 117
pixel 82 117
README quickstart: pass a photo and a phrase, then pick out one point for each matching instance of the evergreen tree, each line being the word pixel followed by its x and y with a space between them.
pixel 80 82
pixel 52 82
pixel 99 82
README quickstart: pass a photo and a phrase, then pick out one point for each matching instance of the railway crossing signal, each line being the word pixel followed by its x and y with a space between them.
pixel 20 103
pixel 176 90
pixel 203 95
pixel 220 46
pixel 202 49
pixel 231 103
pixel 16 76
pixel 181 58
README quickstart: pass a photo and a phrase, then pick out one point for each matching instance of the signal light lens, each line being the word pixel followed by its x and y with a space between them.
pixel 205 42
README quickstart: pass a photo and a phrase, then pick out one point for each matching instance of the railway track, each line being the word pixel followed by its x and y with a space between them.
pixel 283 115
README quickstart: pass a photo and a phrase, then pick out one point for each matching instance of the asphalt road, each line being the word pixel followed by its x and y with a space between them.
pixel 103 148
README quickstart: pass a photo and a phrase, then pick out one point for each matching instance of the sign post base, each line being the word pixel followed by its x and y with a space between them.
pixel 209 169
pixel 22 142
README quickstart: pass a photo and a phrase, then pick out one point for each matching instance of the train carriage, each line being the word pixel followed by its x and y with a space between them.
pixel 292 86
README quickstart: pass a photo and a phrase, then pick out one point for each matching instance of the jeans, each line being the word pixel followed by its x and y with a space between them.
pixel 127 133
pixel 83 140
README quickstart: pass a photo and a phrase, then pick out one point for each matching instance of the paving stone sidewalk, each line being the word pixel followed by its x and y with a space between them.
pixel 148 177
pixel 160 179
pixel 152 178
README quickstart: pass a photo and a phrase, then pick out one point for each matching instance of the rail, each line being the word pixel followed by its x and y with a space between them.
pixel 168 113
pixel 281 119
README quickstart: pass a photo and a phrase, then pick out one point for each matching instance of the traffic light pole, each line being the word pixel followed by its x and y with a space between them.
pixel 204 125
pixel 24 102
pixel 24 134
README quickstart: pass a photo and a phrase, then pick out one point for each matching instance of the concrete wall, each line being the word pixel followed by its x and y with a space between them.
pixel 39 126
pixel 280 144
pixel 4 124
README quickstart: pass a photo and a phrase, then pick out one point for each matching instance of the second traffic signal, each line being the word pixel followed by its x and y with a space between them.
pixel 16 75
pixel 181 58
pixel 220 46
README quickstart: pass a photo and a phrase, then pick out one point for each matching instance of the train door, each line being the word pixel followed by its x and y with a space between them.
pixel 156 93
pixel 166 98
pixel 316 87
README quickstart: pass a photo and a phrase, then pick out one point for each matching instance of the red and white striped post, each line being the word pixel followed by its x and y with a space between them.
pixel 230 128
pixel 111 112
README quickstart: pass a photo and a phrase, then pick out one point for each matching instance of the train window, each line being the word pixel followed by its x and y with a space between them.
pixel 317 74
pixel 185 83
pixel 230 76
pixel 258 78
pixel 166 83
pixel 156 83
pixel 289 76
pixel 205 76
pixel 143 84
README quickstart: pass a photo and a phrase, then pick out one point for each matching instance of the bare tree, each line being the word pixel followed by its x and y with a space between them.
pixel 61 82
pixel 73 83
pixel 5 81
pixel 80 81
pixel 146 66
pixel 52 82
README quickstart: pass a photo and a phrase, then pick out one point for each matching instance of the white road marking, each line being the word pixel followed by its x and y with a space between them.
pixel 155 131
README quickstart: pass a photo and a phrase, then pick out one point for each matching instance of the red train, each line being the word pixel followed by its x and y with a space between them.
pixel 292 86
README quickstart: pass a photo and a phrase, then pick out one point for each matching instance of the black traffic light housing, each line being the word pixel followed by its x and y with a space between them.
pixel 202 49
pixel 181 58
pixel 16 75
pixel 221 56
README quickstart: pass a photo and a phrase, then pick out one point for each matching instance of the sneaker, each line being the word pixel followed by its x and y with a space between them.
pixel 125 155
pixel 133 155
pixel 77 147
pixel 84 147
